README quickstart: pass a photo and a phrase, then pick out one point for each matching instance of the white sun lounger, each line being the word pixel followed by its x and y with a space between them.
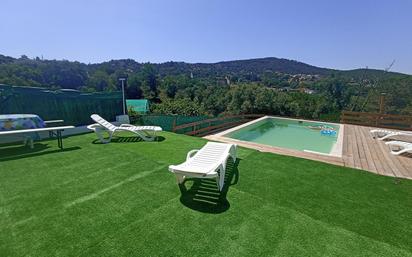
pixel 147 133
pixel 208 162
pixel 382 134
pixel 399 147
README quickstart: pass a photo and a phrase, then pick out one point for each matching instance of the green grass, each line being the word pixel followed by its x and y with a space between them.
pixel 119 199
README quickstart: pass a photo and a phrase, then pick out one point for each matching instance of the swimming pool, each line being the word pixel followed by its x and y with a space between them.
pixel 302 135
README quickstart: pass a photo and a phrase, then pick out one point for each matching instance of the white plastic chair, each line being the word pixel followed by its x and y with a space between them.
pixel 208 162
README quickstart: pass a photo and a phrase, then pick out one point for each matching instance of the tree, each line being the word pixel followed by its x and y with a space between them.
pixel 149 82
pixel 133 89
pixel 179 106
pixel 99 80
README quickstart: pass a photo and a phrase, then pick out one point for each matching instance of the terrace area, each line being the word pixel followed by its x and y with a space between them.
pixel 359 151
pixel 119 199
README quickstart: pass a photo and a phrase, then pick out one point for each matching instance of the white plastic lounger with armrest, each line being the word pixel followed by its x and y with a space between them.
pixel 382 134
pixel 208 162
pixel 399 147
pixel 147 133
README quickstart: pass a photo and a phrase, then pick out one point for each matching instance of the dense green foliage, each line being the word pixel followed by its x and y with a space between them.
pixel 267 85
pixel 119 199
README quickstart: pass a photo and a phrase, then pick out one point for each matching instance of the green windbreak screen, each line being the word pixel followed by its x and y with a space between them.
pixel 72 106
pixel 138 105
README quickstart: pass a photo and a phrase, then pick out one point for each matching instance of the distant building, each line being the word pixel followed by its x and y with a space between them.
pixel 307 91
pixel 286 89
pixel 302 90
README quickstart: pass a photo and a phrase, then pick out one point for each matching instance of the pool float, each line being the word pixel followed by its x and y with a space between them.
pixel 321 127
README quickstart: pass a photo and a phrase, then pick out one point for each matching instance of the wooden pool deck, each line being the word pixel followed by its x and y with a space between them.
pixel 359 151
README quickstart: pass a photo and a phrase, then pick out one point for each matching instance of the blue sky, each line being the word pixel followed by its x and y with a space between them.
pixel 328 33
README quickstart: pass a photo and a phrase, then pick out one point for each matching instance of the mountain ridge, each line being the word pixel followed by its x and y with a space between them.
pixel 273 61
pixel 75 75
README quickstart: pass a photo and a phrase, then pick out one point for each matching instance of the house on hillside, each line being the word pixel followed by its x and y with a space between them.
pixel 301 90
pixel 307 91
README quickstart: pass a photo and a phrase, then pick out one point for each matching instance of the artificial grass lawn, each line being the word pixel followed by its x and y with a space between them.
pixel 119 199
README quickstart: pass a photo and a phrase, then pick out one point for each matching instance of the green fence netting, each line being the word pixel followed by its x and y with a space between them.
pixel 74 107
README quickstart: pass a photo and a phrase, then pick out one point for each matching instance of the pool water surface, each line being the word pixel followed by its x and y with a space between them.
pixel 290 133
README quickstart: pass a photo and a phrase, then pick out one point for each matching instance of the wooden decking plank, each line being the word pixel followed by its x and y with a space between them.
pixel 347 153
pixel 352 147
pixel 375 153
pixel 345 149
pixel 394 169
pixel 366 142
pixel 355 151
pixel 382 159
pixel 358 139
pixel 406 162
pixel 401 170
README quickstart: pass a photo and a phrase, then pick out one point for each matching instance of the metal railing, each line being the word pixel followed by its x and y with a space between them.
pixel 204 127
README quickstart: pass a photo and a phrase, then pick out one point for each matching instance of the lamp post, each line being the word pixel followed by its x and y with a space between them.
pixel 122 79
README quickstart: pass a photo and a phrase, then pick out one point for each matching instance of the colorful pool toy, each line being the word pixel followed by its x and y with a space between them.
pixel 329 132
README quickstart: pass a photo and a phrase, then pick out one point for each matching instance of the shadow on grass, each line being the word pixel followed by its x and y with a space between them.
pixel 118 139
pixel 204 196
pixel 22 151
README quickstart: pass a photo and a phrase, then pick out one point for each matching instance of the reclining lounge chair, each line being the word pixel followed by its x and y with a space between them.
pixel 208 162
pixel 147 133
pixel 399 147
pixel 382 134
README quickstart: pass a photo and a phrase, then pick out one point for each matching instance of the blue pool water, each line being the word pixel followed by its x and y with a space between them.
pixel 290 133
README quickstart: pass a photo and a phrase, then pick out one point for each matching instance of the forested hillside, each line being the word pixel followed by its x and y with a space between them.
pixel 266 85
